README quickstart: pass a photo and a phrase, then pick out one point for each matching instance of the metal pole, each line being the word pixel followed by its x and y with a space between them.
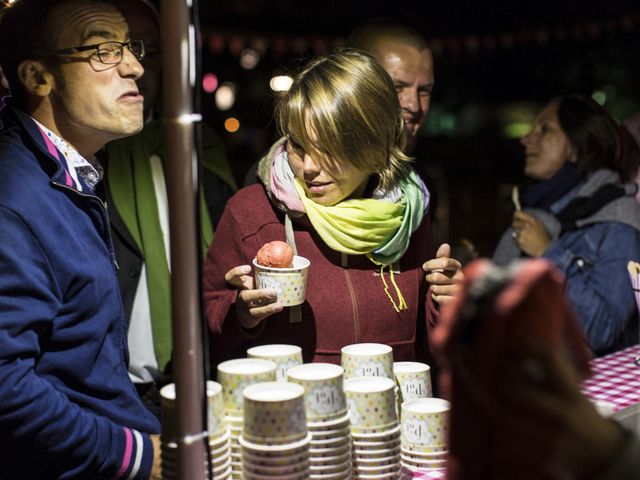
pixel 181 168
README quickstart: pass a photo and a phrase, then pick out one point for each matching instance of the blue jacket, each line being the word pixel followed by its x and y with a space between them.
pixel 67 406
pixel 594 261
pixel 594 258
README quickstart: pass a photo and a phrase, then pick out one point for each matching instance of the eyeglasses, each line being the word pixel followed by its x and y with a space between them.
pixel 109 53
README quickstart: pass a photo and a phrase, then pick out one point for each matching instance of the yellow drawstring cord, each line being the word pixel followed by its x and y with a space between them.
pixel 402 304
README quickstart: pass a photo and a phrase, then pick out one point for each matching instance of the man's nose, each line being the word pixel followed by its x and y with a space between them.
pixel 410 100
pixel 130 66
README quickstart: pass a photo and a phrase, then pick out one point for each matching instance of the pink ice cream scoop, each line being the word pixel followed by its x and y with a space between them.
pixel 276 254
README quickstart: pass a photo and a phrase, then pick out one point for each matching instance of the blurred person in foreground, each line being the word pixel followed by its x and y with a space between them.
pixel 67 406
pixel 513 358
pixel 339 189
pixel 579 212
pixel 134 184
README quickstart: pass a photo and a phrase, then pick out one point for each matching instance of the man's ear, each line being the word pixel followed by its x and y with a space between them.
pixel 35 78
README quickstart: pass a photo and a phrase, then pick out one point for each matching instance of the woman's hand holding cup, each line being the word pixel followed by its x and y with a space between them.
pixel 252 305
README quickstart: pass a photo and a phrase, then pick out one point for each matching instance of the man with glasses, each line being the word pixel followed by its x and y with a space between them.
pixel 67 406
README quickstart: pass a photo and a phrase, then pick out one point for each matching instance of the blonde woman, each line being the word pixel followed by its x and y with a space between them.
pixel 338 187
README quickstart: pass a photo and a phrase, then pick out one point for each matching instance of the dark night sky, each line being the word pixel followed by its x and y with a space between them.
pixel 433 18
pixel 474 88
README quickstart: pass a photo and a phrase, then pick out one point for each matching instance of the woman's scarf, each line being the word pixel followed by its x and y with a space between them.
pixel 543 194
pixel 379 227
pixel 599 197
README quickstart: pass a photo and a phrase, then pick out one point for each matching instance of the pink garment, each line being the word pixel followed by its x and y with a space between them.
pixel 482 338
pixel 282 178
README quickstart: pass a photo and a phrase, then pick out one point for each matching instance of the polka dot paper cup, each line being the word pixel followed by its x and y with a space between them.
pixel 284 356
pixel 426 452
pixel 280 471
pixel 371 404
pixel 168 405
pixel 367 360
pixel 259 458
pixel 374 446
pixel 323 394
pixel 215 410
pixel 343 468
pixel 425 423
pixel 290 283
pixel 274 413
pixel 326 426
pixel 235 375
pixel 414 379
pixel 420 464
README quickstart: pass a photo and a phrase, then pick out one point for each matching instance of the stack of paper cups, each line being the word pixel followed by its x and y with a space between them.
pixel 367 360
pixel 327 419
pixel 413 380
pixel 425 424
pixel 375 430
pixel 275 441
pixel 218 434
pixel 284 356
pixel 235 375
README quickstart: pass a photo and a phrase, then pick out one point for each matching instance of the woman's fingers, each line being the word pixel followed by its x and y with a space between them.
pixel 444 275
pixel 521 220
pixel 444 265
pixel 253 306
pixel 445 285
pixel 239 277
pixel 258 298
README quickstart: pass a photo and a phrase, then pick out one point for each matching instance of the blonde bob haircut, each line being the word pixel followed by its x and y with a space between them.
pixel 344 107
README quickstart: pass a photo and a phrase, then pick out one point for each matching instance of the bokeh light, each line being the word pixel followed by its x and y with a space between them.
pixel 281 83
pixel 232 125
pixel 209 82
pixel 225 96
pixel 249 58
pixel 599 96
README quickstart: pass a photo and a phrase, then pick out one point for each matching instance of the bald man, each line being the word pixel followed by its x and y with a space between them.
pixel 404 54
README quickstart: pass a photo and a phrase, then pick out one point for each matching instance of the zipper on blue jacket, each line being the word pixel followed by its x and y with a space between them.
pixel 104 210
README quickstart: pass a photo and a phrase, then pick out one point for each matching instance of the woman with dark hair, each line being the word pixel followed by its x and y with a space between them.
pixel 579 212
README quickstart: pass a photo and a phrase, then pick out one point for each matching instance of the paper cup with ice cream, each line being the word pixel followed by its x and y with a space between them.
pixel 277 267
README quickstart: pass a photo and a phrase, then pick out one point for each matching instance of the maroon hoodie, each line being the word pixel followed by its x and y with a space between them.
pixel 345 299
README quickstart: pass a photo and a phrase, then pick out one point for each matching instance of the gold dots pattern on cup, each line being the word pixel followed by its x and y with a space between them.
pixel 371 402
pixel 425 423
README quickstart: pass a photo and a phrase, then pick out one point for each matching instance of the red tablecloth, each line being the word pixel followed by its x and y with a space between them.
pixel 436 474
pixel 615 379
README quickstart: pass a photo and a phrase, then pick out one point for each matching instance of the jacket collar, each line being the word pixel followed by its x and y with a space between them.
pixel 622 209
pixel 51 158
